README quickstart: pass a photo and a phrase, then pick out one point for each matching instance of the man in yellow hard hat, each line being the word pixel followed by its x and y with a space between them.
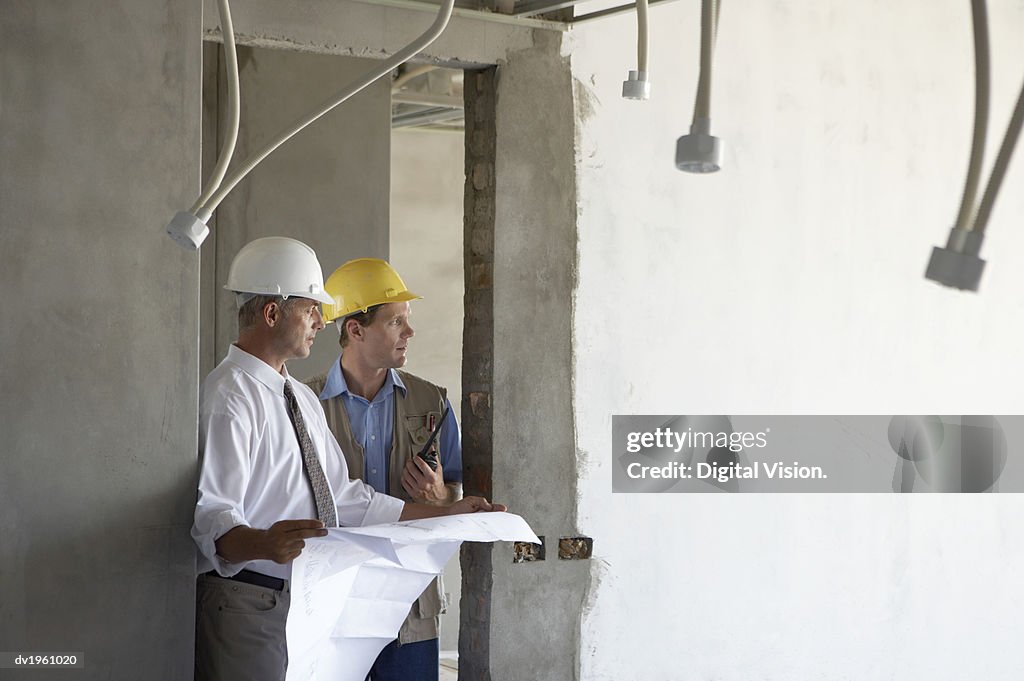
pixel 383 417
pixel 271 475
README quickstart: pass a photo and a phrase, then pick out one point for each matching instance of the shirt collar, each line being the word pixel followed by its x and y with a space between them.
pixel 258 369
pixel 337 385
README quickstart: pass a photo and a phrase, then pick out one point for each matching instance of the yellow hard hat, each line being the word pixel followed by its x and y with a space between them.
pixel 360 284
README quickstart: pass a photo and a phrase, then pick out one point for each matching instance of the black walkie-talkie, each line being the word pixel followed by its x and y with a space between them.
pixel 425 453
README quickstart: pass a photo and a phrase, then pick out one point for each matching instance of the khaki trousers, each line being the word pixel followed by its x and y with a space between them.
pixel 240 631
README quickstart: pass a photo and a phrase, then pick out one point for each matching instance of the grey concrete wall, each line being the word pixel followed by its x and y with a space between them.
pixel 535 606
pixel 328 186
pixel 99 146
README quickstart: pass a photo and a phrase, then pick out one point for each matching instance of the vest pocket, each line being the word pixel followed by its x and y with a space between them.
pixel 418 428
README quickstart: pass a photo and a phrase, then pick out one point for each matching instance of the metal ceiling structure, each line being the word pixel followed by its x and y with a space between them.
pixel 556 15
pixel 433 100
pixel 427 98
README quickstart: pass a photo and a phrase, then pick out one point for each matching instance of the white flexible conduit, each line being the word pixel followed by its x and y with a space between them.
pixel 383 68
pixel 642 50
pixel 227 31
pixel 708 30
pixel 981 106
pixel 1002 162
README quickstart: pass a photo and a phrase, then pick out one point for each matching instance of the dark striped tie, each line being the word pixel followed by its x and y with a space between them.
pixel 314 473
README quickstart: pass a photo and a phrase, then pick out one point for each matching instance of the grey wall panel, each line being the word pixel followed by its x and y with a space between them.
pixel 328 186
pixel 99 145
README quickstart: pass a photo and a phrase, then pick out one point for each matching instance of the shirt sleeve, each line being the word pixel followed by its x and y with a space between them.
pixel 224 443
pixel 451 446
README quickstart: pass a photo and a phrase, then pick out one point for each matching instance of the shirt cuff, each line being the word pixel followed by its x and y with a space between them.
pixel 383 509
pixel 221 524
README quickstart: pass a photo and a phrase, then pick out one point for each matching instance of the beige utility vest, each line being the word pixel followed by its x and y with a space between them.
pixel 413 412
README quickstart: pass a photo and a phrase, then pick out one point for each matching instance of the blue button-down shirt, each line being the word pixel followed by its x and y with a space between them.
pixel 373 428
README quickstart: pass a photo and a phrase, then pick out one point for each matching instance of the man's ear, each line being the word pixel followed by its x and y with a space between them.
pixel 353 328
pixel 271 313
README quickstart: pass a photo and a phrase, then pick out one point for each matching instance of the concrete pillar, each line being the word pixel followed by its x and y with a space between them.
pixel 535 609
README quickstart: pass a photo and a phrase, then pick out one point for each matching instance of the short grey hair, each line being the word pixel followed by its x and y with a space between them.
pixel 251 311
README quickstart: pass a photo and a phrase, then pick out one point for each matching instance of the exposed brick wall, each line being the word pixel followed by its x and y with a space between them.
pixel 478 365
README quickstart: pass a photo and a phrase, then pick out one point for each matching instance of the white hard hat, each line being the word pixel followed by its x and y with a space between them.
pixel 278 266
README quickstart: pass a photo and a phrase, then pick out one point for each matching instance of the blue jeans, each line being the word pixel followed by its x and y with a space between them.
pixel 406 662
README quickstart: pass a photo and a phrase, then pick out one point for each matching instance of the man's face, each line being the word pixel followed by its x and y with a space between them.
pixel 297 327
pixel 386 339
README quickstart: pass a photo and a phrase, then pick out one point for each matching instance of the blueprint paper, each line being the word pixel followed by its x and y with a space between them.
pixel 351 590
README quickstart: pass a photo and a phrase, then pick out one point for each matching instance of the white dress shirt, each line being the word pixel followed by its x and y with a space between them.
pixel 251 464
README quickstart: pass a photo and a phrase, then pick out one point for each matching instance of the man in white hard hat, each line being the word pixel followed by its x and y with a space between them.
pixel 271 473
pixel 383 417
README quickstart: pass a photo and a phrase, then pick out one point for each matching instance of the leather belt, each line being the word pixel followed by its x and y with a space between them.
pixel 255 579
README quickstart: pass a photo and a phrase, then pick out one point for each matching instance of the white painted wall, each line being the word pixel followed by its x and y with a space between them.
pixel 427 190
pixel 791 282
pixel 426 249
